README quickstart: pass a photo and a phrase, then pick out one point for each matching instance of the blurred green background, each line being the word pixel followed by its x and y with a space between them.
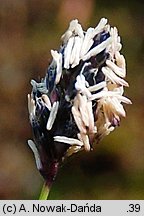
pixel 28 30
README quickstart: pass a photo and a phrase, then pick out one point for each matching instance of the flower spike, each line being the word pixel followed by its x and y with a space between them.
pixel 79 101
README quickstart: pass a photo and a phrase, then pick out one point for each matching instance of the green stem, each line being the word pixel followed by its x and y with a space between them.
pixel 53 169
pixel 44 192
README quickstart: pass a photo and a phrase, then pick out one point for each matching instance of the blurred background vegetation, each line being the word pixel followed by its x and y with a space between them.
pixel 28 30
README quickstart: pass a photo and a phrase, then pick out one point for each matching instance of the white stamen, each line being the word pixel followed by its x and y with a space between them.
pixel 29 103
pixel 120 60
pixel 119 107
pixel 113 77
pixel 76 27
pixel 31 106
pixel 116 45
pixel 73 30
pixel 119 71
pixel 120 90
pixel 75 55
pixel 36 153
pixel 91 117
pixel 80 85
pixel 83 109
pixel 65 37
pixel 97 49
pixel 124 99
pixel 80 82
pixel 110 94
pixel 112 108
pixel 58 59
pixel 67 140
pixel 47 101
pixel 78 120
pixel 87 42
pixel 100 26
pixel 67 52
pixel 52 115
pixel 85 140
pixel 97 86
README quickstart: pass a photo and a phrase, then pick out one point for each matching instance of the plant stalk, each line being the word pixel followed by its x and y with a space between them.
pixel 45 191
pixel 53 169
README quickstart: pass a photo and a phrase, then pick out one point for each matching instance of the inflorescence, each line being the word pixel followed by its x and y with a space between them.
pixel 79 101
